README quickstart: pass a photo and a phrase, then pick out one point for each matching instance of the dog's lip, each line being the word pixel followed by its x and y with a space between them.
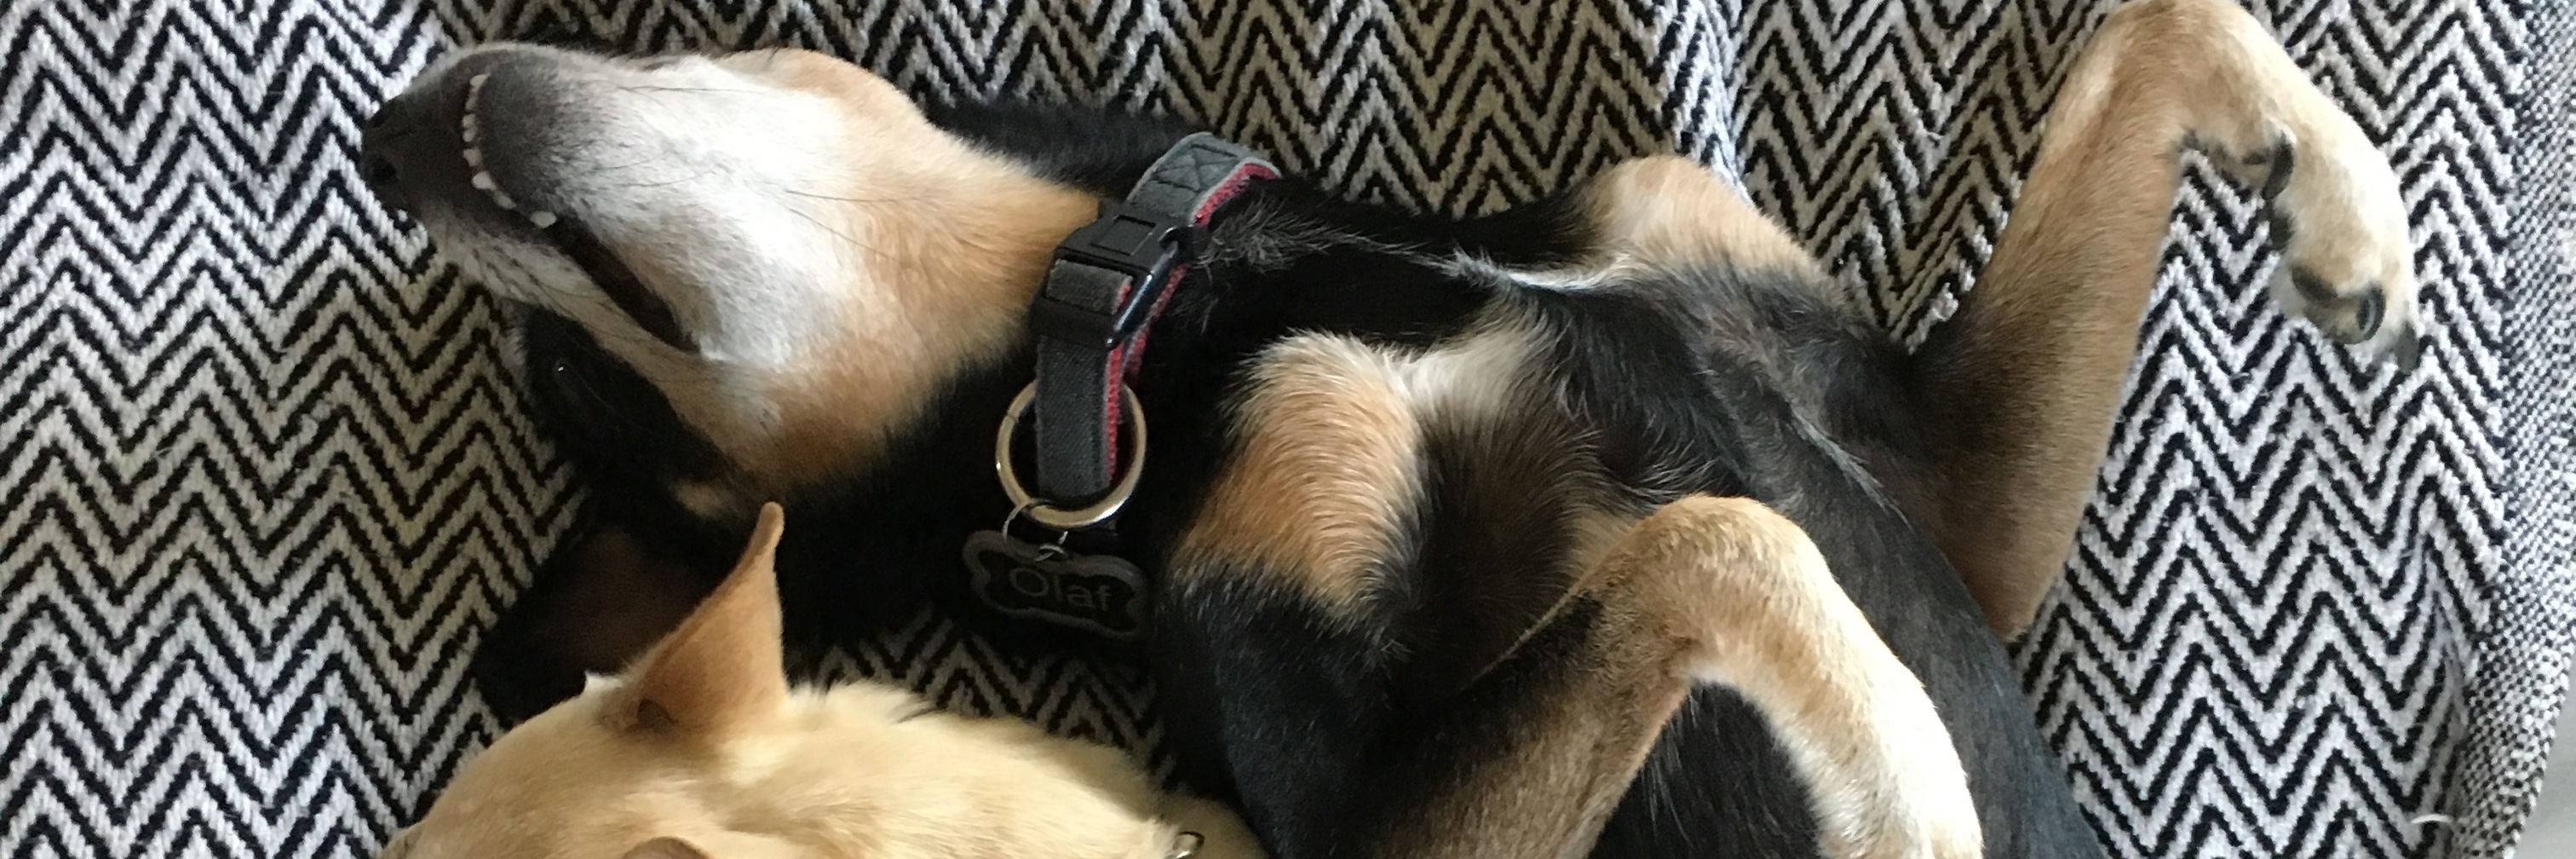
pixel 469 134
pixel 597 261
pixel 619 282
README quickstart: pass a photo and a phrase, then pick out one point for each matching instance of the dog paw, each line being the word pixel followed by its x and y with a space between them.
pixel 2336 215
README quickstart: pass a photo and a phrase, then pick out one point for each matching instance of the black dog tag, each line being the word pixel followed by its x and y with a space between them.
pixel 1100 593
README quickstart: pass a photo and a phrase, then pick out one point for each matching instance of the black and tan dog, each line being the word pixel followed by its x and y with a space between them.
pixel 1445 519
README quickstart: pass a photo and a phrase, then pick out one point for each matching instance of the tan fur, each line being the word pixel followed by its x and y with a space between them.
pixel 2023 379
pixel 1711 590
pixel 1666 210
pixel 1326 469
pixel 722 665
pixel 1755 607
pixel 948 245
pixel 702 750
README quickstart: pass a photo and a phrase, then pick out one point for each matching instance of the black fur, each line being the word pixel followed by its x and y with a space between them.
pixel 1321 732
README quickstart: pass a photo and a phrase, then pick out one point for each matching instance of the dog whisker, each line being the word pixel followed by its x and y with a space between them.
pixel 701 174
pixel 840 199
pixel 854 242
pixel 638 88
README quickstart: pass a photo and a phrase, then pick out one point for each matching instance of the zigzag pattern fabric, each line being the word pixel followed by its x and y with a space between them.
pixel 263 476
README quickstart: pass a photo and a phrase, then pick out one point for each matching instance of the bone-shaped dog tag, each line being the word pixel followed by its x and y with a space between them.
pixel 1102 594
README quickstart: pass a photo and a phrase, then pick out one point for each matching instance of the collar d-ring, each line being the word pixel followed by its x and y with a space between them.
pixel 1131 417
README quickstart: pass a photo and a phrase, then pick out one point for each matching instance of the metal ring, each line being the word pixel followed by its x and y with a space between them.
pixel 1081 517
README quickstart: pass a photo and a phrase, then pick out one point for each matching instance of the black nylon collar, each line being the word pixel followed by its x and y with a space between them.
pixel 1109 281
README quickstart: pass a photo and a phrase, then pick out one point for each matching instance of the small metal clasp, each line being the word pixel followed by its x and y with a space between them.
pixel 1061 519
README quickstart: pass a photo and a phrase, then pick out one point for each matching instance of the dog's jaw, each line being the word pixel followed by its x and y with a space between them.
pixel 793 254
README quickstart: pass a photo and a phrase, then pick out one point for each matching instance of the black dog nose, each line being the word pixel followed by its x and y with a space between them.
pixel 412 151
pixel 396 139
pixel 381 177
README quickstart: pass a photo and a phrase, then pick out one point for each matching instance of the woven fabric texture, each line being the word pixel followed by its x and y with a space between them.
pixel 263 476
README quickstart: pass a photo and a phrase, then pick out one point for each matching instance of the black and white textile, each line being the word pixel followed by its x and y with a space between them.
pixel 263 477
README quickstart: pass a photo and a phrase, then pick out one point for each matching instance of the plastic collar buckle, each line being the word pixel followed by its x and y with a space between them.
pixel 1141 244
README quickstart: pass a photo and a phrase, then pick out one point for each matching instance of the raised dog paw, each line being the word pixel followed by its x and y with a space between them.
pixel 2347 264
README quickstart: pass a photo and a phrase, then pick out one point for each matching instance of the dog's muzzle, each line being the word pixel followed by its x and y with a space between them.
pixel 469 141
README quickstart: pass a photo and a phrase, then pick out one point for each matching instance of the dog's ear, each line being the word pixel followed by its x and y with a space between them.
pixel 723 664
pixel 716 845
pixel 666 847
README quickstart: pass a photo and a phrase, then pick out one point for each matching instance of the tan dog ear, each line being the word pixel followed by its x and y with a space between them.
pixel 724 662
pixel 667 847
pixel 729 845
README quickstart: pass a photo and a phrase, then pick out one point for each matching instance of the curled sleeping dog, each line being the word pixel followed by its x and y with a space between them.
pixel 1446 520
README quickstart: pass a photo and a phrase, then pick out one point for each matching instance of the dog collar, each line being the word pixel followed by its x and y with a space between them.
pixel 1109 281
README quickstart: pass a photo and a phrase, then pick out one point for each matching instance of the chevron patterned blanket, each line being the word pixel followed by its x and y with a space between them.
pixel 262 476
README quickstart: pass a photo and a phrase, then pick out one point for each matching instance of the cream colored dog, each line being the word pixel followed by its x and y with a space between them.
pixel 703 750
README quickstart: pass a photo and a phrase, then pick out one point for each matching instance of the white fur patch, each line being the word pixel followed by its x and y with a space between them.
pixel 1476 376
pixel 1476 268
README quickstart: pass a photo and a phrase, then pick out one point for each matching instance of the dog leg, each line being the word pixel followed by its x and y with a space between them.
pixel 1721 591
pixel 1668 211
pixel 1356 708
pixel 2021 384
pixel 1532 756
